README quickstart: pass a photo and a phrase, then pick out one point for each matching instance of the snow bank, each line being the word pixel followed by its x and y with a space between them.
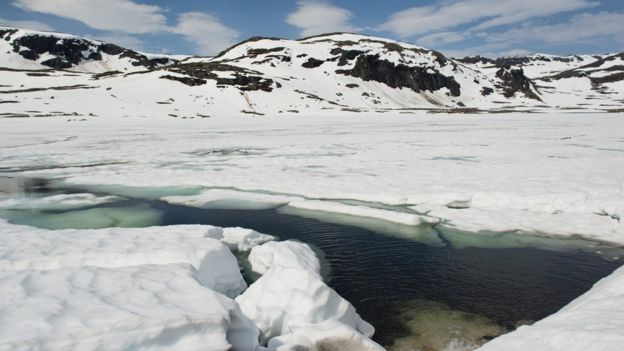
pixel 286 299
pixel 287 253
pixel 26 248
pixel 231 199
pixel 241 239
pixel 56 202
pixel 155 307
pixel 328 335
pixel 361 211
pixel 593 321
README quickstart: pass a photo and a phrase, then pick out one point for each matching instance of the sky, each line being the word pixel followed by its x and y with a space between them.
pixel 454 27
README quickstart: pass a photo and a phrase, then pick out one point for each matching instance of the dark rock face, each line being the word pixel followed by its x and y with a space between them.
pixel 312 63
pixel 243 79
pixel 7 33
pixel 514 81
pixel 112 49
pixel 57 63
pixel 261 51
pixel 71 51
pixel 68 52
pixel 371 67
pixel 345 56
pixel 486 91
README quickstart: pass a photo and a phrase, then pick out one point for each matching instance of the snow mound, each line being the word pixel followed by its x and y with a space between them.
pixel 291 254
pixel 57 202
pixel 241 239
pixel 155 307
pixel 286 299
pixel 23 248
pixel 593 321
pixel 328 335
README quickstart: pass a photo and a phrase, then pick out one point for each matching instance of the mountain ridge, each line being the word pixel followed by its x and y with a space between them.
pixel 328 73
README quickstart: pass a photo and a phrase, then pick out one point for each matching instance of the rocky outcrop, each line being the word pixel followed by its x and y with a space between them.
pixel 513 80
pixel 243 79
pixel 371 67
pixel 68 52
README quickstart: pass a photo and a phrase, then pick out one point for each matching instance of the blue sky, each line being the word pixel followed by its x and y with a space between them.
pixel 455 27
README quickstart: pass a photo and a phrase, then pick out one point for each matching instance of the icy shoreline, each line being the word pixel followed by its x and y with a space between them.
pixel 163 288
pixel 559 174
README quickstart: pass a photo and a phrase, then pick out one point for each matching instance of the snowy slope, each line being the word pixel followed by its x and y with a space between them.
pixel 534 65
pixel 575 81
pixel 597 83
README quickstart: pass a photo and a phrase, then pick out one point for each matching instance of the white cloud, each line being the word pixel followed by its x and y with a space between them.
pixel 480 13
pixel 118 18
pixel 25 24
pixel 113 15
pixel 206 31
pixel 441 38
pixel 318 17
pixel 581 28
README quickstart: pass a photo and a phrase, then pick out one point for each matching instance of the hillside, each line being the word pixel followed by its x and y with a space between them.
pixel 52 74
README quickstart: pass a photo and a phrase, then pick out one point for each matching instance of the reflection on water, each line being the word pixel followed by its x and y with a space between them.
pixel 435 326
pixel 423 288
pixel 91 218
pixel 425 234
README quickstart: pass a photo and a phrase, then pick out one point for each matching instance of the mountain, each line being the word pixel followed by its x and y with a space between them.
pixel 25 49
pixel 534 65
pixel 57 74
pixel 575 81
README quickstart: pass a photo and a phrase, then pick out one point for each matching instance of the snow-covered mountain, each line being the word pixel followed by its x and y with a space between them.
pixel 574 81
pixel 534 65
pixel 26 49
pixel 326 74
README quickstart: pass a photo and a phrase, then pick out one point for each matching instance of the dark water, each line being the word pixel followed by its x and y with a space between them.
pixel 376 273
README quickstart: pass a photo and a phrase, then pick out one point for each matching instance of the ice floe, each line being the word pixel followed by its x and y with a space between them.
pixel 231 199
pixel 26 248
pixel 287 253
pixel 56 202
pixel 241 239
pixel 156 307
pixel 285 299
pixel 163 288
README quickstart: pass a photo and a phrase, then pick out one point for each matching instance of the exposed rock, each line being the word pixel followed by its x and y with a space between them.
pixel 263 51
pixel 345 56
pixel 514 81
pixel 486 91
pixel 371 67
pixel 243 79
pixel 7 33
pixel 312 63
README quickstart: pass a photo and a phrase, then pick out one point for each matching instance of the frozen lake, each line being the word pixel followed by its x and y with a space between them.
pixel 427 288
